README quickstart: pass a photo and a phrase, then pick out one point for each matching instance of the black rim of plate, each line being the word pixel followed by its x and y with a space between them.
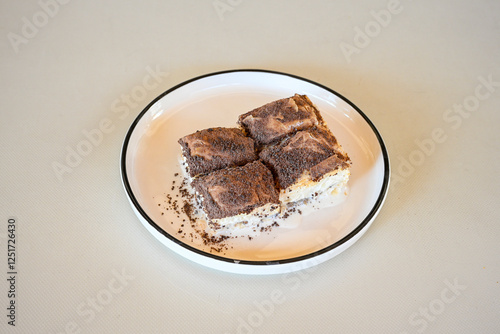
pixel 297 259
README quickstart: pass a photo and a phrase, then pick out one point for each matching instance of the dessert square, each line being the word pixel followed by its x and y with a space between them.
pixel 306 164
pixel 277 119
pixel 238 194
pixel 215 148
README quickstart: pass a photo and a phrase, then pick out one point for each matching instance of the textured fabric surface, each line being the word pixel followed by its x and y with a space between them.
pixel 75 74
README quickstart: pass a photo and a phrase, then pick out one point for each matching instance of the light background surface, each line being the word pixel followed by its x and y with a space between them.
pixel 429 263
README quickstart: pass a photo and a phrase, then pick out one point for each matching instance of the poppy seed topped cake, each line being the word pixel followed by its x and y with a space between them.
pixel 276 120
pixel 211 149
pixel 233 195
pixel 306 164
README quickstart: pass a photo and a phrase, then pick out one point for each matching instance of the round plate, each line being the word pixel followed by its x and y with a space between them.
pixel 150 167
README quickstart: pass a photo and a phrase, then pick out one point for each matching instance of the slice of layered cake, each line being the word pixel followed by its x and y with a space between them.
pixel 307 164
pixel 212 149
pixel 275 120
pixel 240 195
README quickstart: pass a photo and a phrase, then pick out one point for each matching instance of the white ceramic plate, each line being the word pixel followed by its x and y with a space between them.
pixel 150 154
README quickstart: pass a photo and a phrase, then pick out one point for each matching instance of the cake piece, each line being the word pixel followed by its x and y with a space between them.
pixel 306 164
pixel 277 119
pixel 239 194
pixel 216 148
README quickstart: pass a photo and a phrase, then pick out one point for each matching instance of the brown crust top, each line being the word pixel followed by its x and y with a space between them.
pixel 275 120
pixel 216 148
pixel 232 191
pixel 315 150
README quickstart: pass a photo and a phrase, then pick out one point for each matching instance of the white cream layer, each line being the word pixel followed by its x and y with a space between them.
pixel 306 188
pixel 252 218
